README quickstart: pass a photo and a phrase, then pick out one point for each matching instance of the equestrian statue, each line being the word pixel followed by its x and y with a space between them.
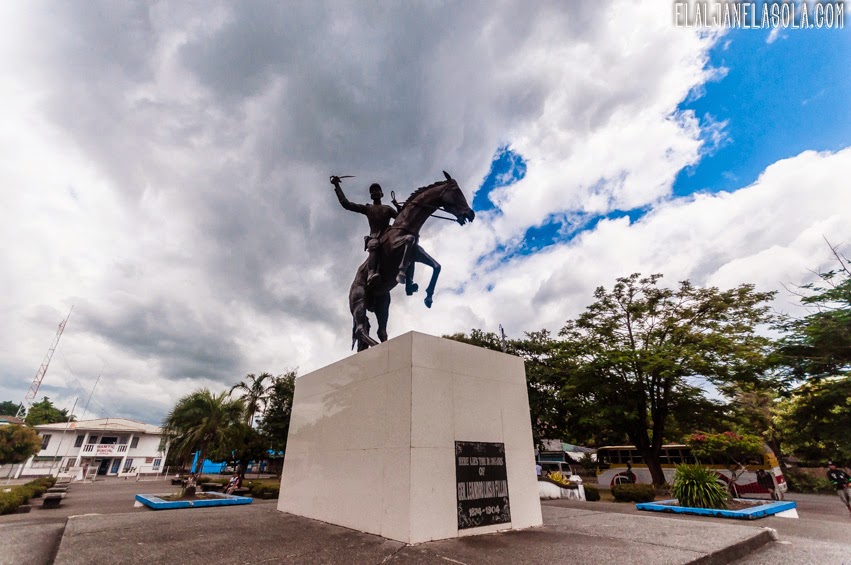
pixel 393 248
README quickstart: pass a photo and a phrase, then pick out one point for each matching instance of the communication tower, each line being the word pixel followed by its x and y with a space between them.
pixel 42 370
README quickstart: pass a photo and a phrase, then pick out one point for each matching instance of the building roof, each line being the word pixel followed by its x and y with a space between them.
pixel 10 420
pixel 104 425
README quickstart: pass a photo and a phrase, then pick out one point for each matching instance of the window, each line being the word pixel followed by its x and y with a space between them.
pixel 157 464
pixel 128 464
pixel 122 440
pixel 93 439
pixel 161 448
pixel 79 441
pixel 44 441
pixel 134 443
pixel 108 440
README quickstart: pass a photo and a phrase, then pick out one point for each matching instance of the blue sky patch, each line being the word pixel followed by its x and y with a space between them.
pixel 777 99
pixel 507 167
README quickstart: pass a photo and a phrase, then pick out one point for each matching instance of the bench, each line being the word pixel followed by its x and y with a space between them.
pixel 241 491
pixel 57 490
pixel 212 487
pixel 178 481
pixel 52 500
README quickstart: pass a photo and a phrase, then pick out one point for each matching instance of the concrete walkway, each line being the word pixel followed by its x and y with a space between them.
pixel 260 534
pixel 98 524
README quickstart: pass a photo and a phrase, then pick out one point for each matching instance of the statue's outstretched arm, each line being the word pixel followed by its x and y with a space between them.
pixel 360 208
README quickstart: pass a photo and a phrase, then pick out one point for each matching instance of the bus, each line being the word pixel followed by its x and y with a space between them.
pixel 612 463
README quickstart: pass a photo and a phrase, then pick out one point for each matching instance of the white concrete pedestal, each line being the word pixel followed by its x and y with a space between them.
pixel 372 440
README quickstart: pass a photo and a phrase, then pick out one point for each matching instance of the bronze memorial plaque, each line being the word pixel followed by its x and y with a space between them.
pixel 482 484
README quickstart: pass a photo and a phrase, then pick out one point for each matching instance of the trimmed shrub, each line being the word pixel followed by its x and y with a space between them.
pixel 261 490
pixel 633 493
pixel 592 493
pixel 9 501
pixel 804 482
pixel 698 487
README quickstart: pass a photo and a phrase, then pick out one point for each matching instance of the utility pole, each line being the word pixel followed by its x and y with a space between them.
pixel 502 337
pixel 42 370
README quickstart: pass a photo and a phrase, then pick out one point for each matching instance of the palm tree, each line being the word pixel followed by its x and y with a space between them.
pixel 254 393
pixel 204 422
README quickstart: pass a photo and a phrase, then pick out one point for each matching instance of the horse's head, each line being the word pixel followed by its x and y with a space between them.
pixel 453 201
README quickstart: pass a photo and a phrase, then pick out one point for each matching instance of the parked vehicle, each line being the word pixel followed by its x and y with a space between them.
pixel 560 466
pixel 612 463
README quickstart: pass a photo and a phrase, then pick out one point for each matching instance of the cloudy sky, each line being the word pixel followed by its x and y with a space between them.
pixel 166 170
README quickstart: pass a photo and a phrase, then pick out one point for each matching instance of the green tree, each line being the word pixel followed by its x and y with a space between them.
pixel 205 422
pixel 647 347
pixel 566 401
pixel 815 420
pixel 18 443
pixel 816 355
pixel 8 408
pixel 275 424
pixel 44 412
pixel 819 345
pixel 735 449
pixel 755 409
pixel 254 393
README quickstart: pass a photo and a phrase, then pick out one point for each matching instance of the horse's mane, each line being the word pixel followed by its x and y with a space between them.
pixel 422 189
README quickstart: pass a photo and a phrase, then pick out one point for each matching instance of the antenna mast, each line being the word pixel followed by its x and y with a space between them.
pixel 39 376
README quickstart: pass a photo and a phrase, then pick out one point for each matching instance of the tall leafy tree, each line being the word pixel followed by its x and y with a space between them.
pixel 205 422
pixel 816 354
pixel 647 347
pixel 816 419
pixel 44 412
pixel 275 424
pixel 8 408
pixel 755 409
pixel 254 391
pixel 819 344
pixel 18 443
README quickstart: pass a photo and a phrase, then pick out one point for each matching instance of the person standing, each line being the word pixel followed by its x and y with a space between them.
pixel 840 481
pixel 766 481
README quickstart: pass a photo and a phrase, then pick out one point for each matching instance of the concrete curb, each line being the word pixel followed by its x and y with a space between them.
pixel 738 550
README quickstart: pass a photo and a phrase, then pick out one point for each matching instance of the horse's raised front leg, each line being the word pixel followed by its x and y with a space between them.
pixel 408 256
pixel 410 286
pixel 420 256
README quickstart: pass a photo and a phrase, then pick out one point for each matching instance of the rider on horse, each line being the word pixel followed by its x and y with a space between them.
pixel 378 215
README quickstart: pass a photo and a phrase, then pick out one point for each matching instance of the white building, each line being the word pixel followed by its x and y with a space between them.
pixel 107 447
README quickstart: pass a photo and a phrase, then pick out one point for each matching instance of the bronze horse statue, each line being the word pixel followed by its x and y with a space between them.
pixel 399 250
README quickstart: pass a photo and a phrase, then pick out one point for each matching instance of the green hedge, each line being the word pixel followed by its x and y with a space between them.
pixel 804 482
pixel 592 493
pixel 9 501
pixel 633 493
pixel 201 480
pixel 264 490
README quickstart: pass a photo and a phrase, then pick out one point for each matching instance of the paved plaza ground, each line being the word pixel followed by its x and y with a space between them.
pixel 97 523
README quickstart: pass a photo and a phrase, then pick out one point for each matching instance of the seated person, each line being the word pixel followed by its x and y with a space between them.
pixel 234 483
